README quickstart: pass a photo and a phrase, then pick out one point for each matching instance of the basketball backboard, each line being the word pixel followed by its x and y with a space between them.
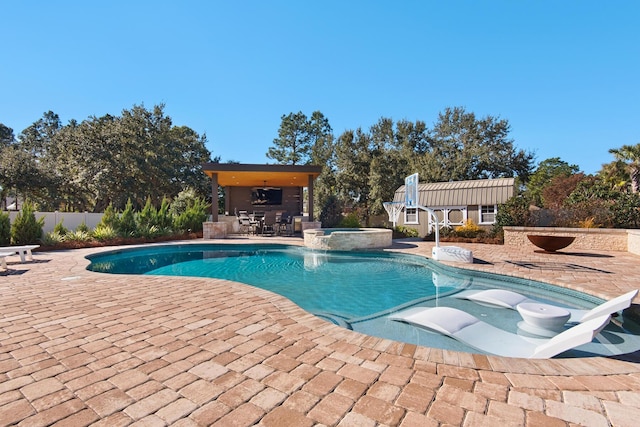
pixel 411 191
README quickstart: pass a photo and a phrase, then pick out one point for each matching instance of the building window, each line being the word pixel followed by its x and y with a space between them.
pixel 488 214
pixel 411 216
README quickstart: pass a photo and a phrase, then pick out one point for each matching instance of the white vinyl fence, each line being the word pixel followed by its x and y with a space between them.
pixel 70 220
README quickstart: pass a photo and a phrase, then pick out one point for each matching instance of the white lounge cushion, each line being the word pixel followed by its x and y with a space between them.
pixel 509 299
pixel 494 297
pixel 472 331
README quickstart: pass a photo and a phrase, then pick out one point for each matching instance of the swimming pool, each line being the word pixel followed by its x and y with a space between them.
pixel 356 290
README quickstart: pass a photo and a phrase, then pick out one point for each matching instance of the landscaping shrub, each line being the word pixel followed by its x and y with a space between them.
pixel 104 232
pixel 149 231
pixel 147 216
pixel 192 218
pixel 83 227
pixel 181 203
pixel 496 233
pixel 445 232
pixel 331 212
pixel 514 211
pixel 52 238
pixel 163 220
pixel 470 229
pixel 401 232
pixel 127 226
pixel 154 222
pixel 588 223
pixel 26 229
pixel 5 229
pixel 350 221
pixel 109 218
pixel 626 210
pixel 78 236
pixel 60 229
pixel 494 237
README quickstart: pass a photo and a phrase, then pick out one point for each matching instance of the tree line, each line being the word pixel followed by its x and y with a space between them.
pixel 141 155
pixel 364 167
pixel 102 161
pixel 563 196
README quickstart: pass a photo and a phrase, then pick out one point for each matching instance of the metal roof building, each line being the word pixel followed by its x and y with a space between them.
pixel 462 193
pixel 456 202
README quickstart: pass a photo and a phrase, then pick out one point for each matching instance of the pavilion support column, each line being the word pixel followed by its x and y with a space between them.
pixel 214 229
pixel 227 201
pixel 214 197
pixel 310 189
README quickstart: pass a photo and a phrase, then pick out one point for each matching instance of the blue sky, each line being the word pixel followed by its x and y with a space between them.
pixel 565 74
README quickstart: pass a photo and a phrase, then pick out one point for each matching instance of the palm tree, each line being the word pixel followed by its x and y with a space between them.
pixel 630 154
pixel 616 174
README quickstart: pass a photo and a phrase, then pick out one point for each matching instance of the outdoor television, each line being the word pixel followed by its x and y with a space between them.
pixel 266 196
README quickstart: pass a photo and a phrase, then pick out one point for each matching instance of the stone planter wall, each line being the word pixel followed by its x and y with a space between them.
pixel 214 230
pixel 634 242
pixel 599 239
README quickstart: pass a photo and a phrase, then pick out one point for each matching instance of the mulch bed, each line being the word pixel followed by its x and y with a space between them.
pixel 119 241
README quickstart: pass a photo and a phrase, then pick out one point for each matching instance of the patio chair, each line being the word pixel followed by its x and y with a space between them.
pixel 269 223
pixel 475 333
pixel 285 225
pixel 245 224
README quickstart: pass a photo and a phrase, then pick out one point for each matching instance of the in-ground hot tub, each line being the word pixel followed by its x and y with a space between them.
pixel 347 239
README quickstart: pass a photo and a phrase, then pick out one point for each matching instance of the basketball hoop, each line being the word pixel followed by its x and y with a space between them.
pixel 393 209
pixel 411 191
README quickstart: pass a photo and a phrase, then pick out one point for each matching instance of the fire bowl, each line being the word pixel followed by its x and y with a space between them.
pixel 551 243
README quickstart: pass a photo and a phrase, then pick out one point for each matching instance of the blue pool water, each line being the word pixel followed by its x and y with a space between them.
pixel 343 283
pixel 356 290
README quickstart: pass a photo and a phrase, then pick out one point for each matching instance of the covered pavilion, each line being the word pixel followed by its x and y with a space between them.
pixel 241 180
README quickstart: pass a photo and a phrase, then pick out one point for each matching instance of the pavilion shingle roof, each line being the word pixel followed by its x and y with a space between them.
pixel 462 193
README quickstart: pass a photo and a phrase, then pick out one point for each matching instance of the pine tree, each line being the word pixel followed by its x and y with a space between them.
pixel 26 229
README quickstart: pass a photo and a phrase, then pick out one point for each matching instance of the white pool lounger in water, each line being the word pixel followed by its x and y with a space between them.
pixel 472 331
pixel 509 299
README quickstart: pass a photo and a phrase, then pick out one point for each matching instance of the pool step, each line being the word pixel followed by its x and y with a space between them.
pixel 452 253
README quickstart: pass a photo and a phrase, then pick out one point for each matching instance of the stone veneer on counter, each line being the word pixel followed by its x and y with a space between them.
pixel 214 230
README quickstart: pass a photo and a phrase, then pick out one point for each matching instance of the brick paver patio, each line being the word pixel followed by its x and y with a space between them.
pixel 81 348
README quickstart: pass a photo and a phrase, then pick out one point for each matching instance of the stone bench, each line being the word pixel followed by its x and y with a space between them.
pixel 3 256
pixel 23 251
